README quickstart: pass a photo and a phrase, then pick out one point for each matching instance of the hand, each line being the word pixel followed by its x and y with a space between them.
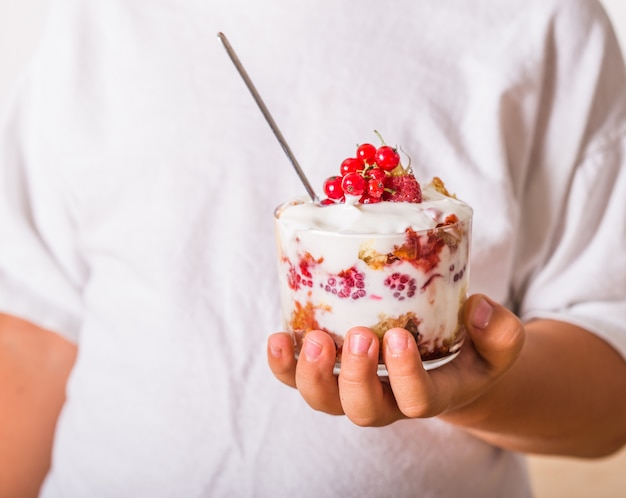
pixel 494 340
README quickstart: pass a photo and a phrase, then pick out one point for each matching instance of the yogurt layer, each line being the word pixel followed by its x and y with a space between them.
pixel 379 218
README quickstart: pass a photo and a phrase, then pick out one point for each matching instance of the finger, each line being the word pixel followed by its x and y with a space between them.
pixel 496 333
pixel 495 337
pixel 413 388
pixel 366 401
pixel 314 373
pixel 281 359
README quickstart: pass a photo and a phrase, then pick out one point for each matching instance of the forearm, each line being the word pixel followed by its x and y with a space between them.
pixel 564 395
pixel 34 366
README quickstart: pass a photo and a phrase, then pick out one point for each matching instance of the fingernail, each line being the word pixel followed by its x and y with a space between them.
pixel 359 344
pixel 275 352
pixel 396 341
pixel 311 349
pixel 482 314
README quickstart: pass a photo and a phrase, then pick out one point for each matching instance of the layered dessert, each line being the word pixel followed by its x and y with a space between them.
pixel 381 250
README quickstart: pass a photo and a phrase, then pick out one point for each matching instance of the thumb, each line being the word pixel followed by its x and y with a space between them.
pixel 496 333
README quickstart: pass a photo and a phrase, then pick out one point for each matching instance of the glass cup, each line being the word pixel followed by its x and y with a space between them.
pixel 415 279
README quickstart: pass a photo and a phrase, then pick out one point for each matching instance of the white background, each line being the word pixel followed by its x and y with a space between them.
pixel 20 26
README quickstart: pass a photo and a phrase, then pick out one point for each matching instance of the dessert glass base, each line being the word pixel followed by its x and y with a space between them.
pixel 428 364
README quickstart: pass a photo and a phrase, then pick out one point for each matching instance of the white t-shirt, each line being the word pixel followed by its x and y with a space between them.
pixel 137 185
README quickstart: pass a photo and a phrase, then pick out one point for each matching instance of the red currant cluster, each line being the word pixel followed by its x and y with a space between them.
pixel 364 176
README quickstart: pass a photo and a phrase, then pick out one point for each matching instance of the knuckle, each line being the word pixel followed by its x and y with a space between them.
pixel 420 410
pixel 364 421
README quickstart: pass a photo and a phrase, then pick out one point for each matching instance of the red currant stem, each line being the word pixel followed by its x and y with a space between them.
pixel 267 115
pixel 408 167
pixel 380 137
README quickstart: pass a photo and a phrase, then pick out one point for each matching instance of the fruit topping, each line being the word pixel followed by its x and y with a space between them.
pixel 375 174
pixel 402 188
pixel 375 187
pixel 351 165
pixel 332 187
pixel 367 153
pixel 387 158
pixel 353 184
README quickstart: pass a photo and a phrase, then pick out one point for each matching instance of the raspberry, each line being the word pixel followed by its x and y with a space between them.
pixel 296 280
pixel 402 188
pixel 348 283
pixel 402 285
pixel 301 276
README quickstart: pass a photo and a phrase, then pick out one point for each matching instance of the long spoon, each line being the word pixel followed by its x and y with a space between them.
pixel 267 115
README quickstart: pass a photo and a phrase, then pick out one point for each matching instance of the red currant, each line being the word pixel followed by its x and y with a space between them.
pixel 353 184
pixel 351 165
pixel 387 157
pixel 366 152
pixel 375 188
pixel 377 174
pixel 366 199
pixel 332 187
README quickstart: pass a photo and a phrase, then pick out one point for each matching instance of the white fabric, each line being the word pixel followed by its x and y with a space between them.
pixel 138 180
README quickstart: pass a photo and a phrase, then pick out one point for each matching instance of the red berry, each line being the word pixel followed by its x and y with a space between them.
pixel 367 153
pixel 327 202
pixel 301 276
pixel 402 188
pixel 401 285
pixel 377 174
pixel 348 283
pixel 375 188
pixel 332 187
pixel 366 199
pixel 353 184
pixel 351 165
pixel 387 157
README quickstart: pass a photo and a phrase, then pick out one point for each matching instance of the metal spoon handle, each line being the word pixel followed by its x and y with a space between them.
pixel 267 115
